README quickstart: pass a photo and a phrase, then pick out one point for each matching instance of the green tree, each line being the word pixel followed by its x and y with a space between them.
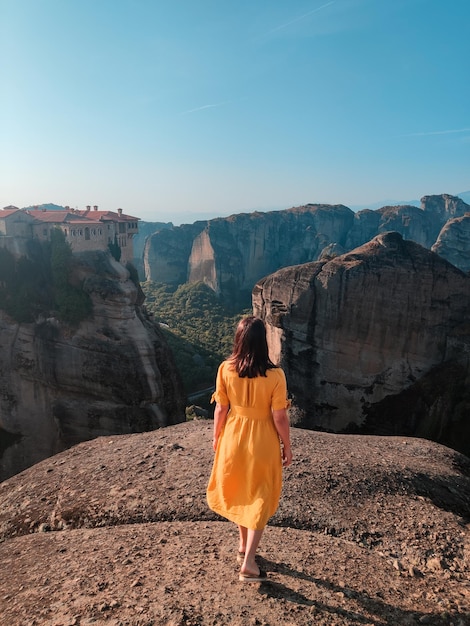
pixel 73 304
pixel 115 249
pixel 61 258
pixel 199 328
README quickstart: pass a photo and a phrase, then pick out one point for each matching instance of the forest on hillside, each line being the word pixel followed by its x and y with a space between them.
pixel 198 326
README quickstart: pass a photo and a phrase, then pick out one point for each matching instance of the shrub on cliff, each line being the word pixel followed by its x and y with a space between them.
pixel 39 284
pixel 73 304
pixel 115 249
pixel 25 284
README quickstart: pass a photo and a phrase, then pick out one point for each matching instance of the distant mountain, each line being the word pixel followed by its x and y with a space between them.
pixel 382 203
pixel 231 254
pixel 465 196
pixel 46 207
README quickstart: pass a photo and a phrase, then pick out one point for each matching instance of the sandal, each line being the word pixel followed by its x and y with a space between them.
pixel 253 578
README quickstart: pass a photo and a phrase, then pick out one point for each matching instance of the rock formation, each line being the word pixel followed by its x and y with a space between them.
pixel 235 252
pixel 231 254
pixel 146 229
pixel 453 242
pixel 418 224
pixel 410 221
pixel 167 251
pixel 112 374
pixel 444 207
pixel 365 326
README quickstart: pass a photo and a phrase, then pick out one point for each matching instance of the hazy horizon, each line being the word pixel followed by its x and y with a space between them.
pixel 182 218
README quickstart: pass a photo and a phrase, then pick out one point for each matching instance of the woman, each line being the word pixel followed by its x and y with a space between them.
pixel 250 424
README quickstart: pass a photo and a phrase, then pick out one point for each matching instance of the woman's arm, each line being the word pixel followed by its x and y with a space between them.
pixel 281 422
pixel 220 415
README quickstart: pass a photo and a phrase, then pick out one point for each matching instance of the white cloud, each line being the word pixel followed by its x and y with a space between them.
pixel 438 132
pixel 301 17
pixel 205 106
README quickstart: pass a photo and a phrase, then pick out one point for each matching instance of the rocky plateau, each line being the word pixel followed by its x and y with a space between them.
pixel 370 530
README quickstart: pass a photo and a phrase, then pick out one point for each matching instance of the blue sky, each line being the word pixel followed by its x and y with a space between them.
pixel 178 110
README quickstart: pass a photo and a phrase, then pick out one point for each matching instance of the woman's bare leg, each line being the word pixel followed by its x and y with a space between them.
pixel 252 541
pixel 242 531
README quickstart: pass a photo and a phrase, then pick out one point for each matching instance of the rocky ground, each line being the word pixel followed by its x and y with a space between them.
pixel 370 531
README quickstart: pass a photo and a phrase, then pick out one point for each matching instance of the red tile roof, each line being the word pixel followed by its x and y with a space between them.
pixel 111 215
pixel 54 216
pixel 8 211
pixel 69 216
pixel 61 216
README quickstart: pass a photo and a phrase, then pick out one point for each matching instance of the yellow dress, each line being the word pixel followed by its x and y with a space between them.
pixel 246 478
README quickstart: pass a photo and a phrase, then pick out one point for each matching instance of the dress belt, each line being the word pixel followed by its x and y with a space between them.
pixel 249 411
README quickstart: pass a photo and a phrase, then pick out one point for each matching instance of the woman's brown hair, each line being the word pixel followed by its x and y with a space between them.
pixel 250 349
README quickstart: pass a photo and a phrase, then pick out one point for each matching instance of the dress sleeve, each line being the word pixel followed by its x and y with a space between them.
pixel 279 400
pixel 220 394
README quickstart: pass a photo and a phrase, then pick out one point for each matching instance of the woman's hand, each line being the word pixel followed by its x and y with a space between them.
pixel 220 415
pixel 281 423
pixel 286 456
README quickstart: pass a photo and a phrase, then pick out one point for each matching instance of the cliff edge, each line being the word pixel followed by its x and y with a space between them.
pixel 113 373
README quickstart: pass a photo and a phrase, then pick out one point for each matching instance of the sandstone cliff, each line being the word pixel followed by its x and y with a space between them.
pixel 363 327
pixel 453 242
pixel 145 230
pixel 370 530
pixel 112 374
pixel 231 254
pixel 167 251
pixel 421 224
pixel 410 221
